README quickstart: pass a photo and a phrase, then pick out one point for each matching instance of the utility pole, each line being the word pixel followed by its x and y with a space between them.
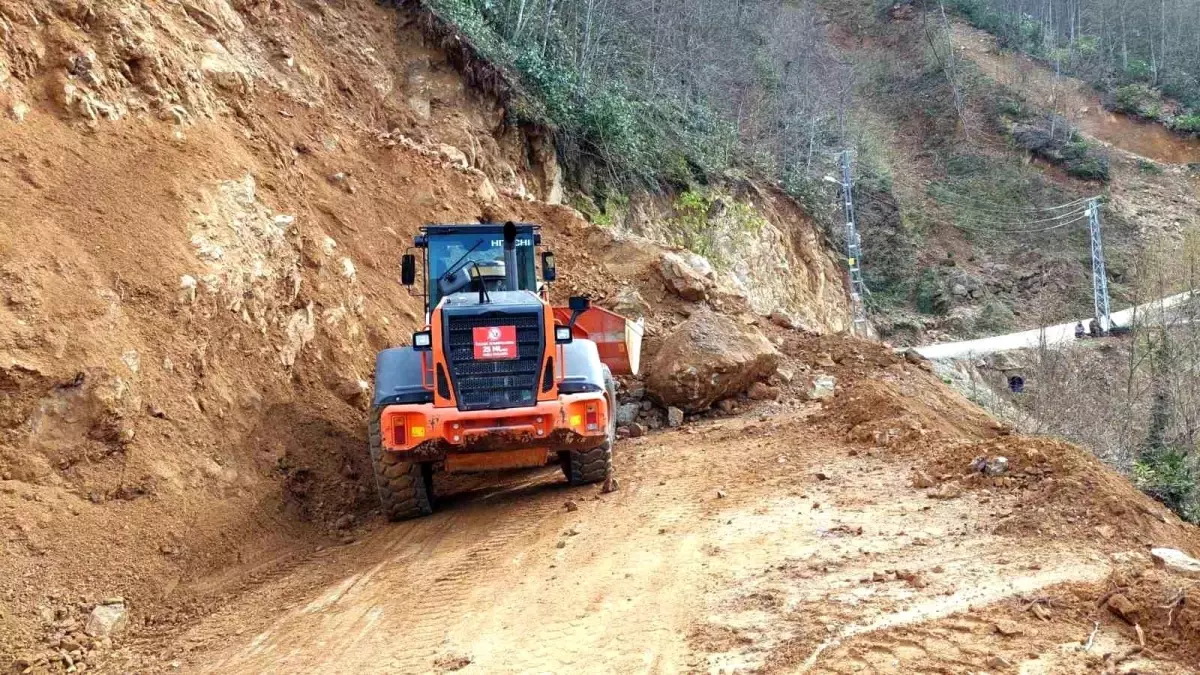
pixel 1099 276
pixel 858 289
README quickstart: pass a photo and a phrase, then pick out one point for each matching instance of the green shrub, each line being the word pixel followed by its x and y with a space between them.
pixel 704 218
pixel 995 318
pixel 931 293
pixel 1188 124
pixel 1146 166
pixel 1139 100
pixel 1083 160
pixel 1170 475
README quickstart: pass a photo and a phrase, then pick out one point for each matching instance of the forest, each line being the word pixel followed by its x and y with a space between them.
pixel 642 93
pixel 1138 51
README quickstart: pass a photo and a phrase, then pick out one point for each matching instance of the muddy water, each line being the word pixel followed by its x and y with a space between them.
pixel 1149 140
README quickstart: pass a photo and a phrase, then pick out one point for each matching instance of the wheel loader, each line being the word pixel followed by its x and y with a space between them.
pixel 498 378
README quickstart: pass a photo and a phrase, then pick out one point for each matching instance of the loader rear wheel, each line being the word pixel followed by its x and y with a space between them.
pixel 592 466
pixel 405 488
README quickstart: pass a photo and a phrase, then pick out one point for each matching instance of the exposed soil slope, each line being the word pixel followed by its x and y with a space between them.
pixel 202 209
pixel 202 205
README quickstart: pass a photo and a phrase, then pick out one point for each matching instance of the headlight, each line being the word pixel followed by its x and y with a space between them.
pixel 562 334
pixel 422 341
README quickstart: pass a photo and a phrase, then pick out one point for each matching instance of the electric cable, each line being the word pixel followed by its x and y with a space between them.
pixel 1026 231
pixel 962 201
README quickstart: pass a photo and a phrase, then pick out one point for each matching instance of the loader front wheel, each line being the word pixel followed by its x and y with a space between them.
pixel 405 488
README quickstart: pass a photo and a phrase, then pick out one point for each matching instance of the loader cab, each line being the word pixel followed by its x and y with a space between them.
pixel 474 258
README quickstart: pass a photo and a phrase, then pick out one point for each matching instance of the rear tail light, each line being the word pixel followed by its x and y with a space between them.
pixel 593 418
pixel 399 437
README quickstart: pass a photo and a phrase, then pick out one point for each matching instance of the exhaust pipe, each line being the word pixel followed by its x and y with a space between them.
pixel 510 256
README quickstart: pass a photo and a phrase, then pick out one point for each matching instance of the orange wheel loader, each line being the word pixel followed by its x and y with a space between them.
pixel 498 378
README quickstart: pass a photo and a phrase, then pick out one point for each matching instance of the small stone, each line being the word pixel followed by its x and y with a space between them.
pixel 107 620
pixel 561 544
pixel 1124 608
pixel 674 417
pixel 611 484
pixel 352 390
pixel 720 494
pixel 627 413
pixel 727 405
pixel 1176 561
pixel 783 319
pixel 922 480
pixel 571 506
pixel 821 475
pixel 1008 628
pixel 760 391
pixel 622 432
pixel 822 388
pixel 996 466
pixel 344 522
pixel 785 375
pixel 998 663
pixel 637 430
pixel 19 111
pixel 825 360
pixel 946 491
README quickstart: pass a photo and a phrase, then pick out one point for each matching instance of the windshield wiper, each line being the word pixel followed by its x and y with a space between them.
pixel 454 268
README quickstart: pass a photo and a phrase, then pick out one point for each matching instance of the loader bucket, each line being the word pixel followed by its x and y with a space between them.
pixel 618 339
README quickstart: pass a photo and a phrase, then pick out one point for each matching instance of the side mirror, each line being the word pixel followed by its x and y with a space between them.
pixel 579 303
pixel 408 269
pixel 549 273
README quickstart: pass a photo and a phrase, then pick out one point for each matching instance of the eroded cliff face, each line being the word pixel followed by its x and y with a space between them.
pixel 760 248
pixel 202 210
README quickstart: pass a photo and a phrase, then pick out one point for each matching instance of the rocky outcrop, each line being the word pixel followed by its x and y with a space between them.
pixel 682 279
pixel 761 250
pixel 707 358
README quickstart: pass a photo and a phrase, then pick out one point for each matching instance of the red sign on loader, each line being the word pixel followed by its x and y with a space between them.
pixel 495 342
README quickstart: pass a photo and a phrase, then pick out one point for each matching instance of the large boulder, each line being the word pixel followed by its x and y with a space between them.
pixel 709 357
pixel 682 279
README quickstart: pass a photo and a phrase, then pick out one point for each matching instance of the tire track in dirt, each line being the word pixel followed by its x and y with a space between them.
pixel 391 615
pixel 731 545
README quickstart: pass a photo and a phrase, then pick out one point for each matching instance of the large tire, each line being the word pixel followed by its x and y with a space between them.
pixel 582 467
pixel 405 488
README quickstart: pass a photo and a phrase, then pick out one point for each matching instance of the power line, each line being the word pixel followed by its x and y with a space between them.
pixel 1080 217
pixel 963 201
pixel 1056 219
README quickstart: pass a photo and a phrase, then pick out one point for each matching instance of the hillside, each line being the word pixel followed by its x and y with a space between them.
pixel 202 212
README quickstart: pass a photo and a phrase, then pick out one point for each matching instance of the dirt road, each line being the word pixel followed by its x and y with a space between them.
pixel 739 544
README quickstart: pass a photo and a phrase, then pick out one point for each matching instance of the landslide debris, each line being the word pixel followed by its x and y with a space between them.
pixel 709 357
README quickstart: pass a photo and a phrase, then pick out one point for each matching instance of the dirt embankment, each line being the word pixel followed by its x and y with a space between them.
pixel 202 209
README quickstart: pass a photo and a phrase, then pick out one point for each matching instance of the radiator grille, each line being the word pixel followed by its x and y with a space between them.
pixel 500 383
